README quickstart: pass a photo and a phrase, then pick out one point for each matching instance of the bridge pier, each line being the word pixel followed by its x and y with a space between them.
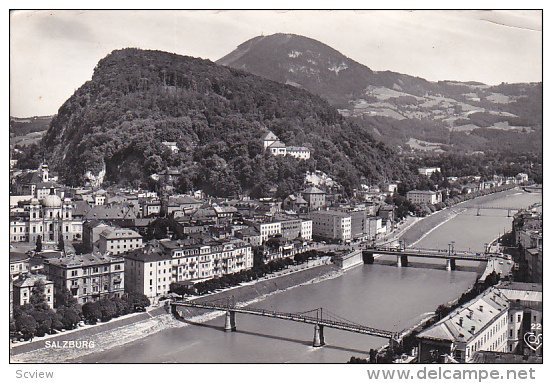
pixel 451 264
pixel 402 260
pixel 367 257
pixel 318 340
pixel 230 322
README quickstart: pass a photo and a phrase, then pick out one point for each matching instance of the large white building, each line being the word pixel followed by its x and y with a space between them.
pixel 497 320
pixel 272 143
pixel 424 196
pixel 331 225
pixel 205 261
pixel 148 271
pixel 117 240
pixel 479 325
pixel 268 229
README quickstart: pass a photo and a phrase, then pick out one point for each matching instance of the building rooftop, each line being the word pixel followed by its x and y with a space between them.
pixel 29 280
pixel 313 190
pixel 84 260
pixel 464 323
pixel 16 256
pixel 421 192
pixel 182 199
pixel 270 137
pixel 297 149
pixel 334 213
pixel 118 233
pixel 277 144
pixel 148 254
pixel 110 212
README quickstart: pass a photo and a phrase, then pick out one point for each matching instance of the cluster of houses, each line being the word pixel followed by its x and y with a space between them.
pixel 97 242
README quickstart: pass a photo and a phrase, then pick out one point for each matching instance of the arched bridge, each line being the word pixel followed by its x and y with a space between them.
pixel 318 317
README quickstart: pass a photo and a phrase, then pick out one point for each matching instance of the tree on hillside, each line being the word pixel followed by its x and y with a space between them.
pixel 38 247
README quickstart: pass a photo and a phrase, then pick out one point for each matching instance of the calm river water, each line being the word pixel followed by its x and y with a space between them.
pixel 380 296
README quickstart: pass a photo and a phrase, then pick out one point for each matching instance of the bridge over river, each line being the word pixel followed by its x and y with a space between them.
pixel 450 255
pixel 318 317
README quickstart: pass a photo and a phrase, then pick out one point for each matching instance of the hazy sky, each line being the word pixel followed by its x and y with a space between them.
pixel 54 52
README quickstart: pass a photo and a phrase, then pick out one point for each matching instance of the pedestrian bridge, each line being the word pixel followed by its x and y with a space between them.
pixel 321 318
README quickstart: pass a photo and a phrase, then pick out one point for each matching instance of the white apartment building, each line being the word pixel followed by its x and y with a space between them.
pixel 306 229
pixel 148 271
pixel 268 229
pixel 424 196
pixel 118 241
pixel 201 262
pixel 331 225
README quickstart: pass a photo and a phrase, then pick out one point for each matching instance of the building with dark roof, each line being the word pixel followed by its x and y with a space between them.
pixel 148 271
pixel 88 277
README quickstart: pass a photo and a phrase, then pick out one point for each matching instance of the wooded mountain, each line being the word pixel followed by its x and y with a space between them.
pixel 402 110
pixel 136 99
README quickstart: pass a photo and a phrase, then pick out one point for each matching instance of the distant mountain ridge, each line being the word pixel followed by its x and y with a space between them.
pixel 402 110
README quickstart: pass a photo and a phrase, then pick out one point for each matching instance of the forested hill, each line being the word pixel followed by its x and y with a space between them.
pixel 217 115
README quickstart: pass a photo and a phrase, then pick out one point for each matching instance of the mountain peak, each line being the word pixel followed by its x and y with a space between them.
pixel 302 62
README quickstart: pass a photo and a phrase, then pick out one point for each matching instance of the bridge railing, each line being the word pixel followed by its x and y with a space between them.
pixel 292 316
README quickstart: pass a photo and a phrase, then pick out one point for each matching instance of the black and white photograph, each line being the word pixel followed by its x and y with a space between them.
pixel 276 186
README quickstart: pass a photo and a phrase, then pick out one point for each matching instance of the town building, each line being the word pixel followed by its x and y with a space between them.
pixel 359 224
pixel 88 277
pixel 202 261
pixel 148 271
pixel 249 235
pixel 277 148
pixel 424 196
pixel 91 231
pixel 179 203
pixel 525 314
pixel 51 219
pixel 23 287
pixel 295 203
pixel 479 325
pixel 171 145
pixel 316 198
pixel 268 229
pixel 428 171
pixel 19 263
pixel 118 240
pixel 306 229
pixel 331 225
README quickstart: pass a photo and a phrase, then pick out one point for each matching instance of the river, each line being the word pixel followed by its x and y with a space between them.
pixel 377 295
